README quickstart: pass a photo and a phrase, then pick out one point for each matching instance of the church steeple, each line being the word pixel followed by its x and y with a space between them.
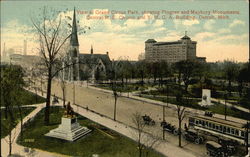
pixel 91 50
pixel 74 37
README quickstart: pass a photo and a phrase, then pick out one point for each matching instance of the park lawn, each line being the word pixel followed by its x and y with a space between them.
pixel 217 108
pixel 231 111
pixel 4 123
pixel 192 103
pixel 29 98
pixel 106 143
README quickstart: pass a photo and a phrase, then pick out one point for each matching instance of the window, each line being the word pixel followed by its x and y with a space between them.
pixel 206 124
pixel 196 122
pixel 224 129
pixel 217 127
pixel 228 130
pixel 213 126
pixel 237 132
pixel 220 128
pixel 232 131
pixel 209 124
pixel 242 134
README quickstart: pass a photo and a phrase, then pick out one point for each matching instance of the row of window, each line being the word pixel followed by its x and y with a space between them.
pixel 220 128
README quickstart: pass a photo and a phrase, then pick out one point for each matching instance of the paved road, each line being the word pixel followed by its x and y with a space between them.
pixel 103 103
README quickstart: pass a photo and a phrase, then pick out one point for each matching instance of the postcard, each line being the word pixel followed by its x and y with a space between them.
pixel 118 78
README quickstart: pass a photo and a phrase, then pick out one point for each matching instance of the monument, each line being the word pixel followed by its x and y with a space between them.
pixel 206 97
pixel 69 129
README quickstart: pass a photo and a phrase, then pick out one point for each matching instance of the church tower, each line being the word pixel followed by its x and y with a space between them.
pixel 74 53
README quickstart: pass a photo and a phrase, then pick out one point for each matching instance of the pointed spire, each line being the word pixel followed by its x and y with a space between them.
pixel 74 37
pixel 91 50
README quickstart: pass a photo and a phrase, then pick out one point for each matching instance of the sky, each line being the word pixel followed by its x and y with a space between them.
pixel 217 39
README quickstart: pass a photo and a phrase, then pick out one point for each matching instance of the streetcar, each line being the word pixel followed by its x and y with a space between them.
pixel 220 128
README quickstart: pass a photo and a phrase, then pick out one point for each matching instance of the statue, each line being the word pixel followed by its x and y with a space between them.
pixel 69 112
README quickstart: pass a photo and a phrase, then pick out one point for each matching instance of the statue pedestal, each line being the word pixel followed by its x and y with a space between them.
pixel 69 130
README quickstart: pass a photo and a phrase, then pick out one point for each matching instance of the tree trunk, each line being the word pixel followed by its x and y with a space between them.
pixel 10 142
pixel 115 108
pixel 64 97
pixel 21 117
pixel 47 108
pixel 179 130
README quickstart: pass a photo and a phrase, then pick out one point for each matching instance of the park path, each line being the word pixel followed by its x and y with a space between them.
pixel 163 147
pixel 18 149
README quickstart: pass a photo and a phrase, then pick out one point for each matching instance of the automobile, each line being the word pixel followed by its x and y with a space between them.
pixel 192 135
pixel 148 120
pixel 209 113
pixel 55 100
pixel 169 128
pixel 228 145
pixel 214 149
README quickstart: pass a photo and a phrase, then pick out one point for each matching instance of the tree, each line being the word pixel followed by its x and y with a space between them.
pixel 145 142
pixel 141 67
pixel 186 70
pixel 11 83
pixel 231 70
pixel 52 33
pixel 180 112
pixel 140 125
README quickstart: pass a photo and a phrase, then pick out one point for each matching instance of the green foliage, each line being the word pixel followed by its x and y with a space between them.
pixel 4 122
pixel 96 142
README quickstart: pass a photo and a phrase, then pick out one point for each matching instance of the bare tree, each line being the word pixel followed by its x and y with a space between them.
pixel 139 125
pixel 180 114
pixel 52 35
pixel 145 141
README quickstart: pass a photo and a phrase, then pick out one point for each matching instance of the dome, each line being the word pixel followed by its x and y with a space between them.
pixel 150 41
pixel 186 38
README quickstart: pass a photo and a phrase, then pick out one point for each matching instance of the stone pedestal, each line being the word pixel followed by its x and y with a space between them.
pixel 69 130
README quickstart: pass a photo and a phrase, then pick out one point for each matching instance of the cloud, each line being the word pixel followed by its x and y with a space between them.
pixel 209 24
pixel 190 22
pixel 236 22
pixel 203 36
pixel 224 30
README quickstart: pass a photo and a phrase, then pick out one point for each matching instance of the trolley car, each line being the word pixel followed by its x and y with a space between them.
pixel 220 128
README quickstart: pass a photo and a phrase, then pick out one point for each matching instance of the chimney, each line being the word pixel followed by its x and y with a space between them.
pixel 91 50
pixel 107 53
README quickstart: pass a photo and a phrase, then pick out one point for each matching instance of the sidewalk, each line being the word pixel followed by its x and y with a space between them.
pixel 21 150
pixel 163 147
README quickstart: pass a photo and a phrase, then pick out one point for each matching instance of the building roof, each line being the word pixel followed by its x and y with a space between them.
pixel 150 41
pixel 167 43
pixel 94 58
pixel 186 37
pixel 74 37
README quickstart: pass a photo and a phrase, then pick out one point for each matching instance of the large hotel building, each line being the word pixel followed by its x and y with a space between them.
pixel 171 52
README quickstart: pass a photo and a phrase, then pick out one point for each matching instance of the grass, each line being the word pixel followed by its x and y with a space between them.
pixel 217 108
pixel 29 98
pixel 231 111
pixel 192 103
pixel 4 122
pixel 100 141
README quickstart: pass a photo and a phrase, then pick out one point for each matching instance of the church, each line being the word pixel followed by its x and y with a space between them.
pixel 77 66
